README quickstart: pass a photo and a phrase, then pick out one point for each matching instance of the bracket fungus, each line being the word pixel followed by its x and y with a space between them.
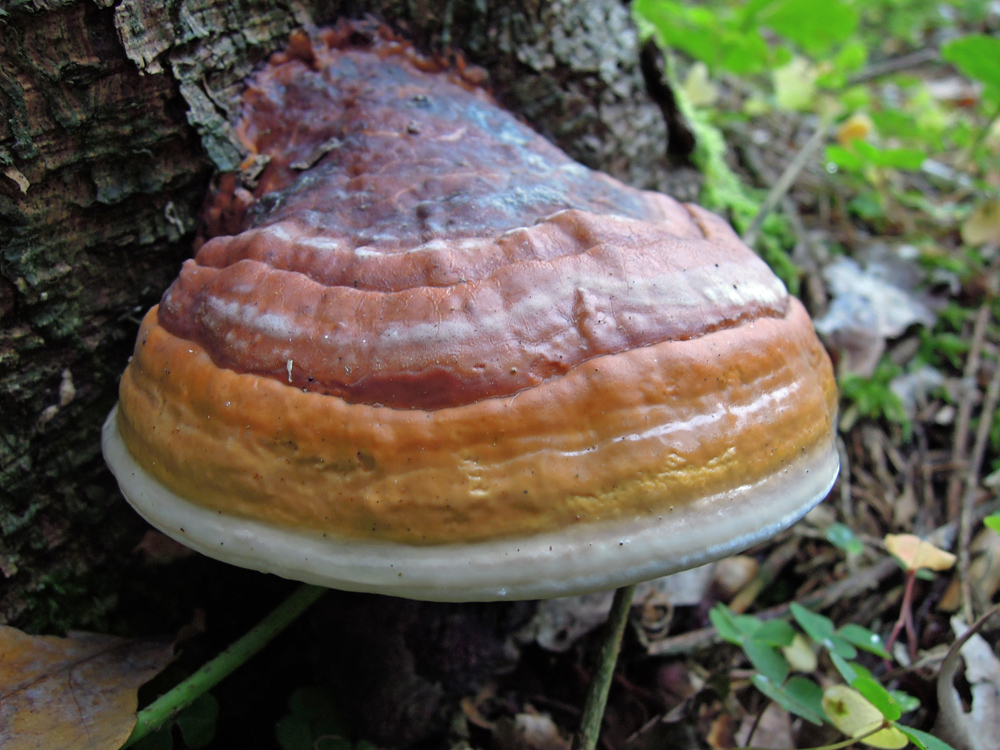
pixel 429 355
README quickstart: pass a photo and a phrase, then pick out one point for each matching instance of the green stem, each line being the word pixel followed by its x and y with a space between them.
pixel 168 705
pixel 843 743
pixel 604 670
pixel 981 136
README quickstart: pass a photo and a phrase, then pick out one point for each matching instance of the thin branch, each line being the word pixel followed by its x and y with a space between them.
pixel 971 485
pixel 960 441
pixel 785 182
pixel 604 670
pixel 895 65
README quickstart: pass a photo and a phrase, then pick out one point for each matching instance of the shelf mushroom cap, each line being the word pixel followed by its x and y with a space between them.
pixel 429 355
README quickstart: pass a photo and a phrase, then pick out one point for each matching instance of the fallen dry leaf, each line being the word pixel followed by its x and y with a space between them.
pixel 772 729
pixel 73 692
pixel 559 623
pixel 984 574
pixel 978 728
pixel 915 553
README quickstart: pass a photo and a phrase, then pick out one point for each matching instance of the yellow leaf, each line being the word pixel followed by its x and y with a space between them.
pixel 983 225
pixel 73 692
pixel 856 127
pixel 915 553
pixel 698 86
pixel 853 715
pixel 800 655
pixel 795 84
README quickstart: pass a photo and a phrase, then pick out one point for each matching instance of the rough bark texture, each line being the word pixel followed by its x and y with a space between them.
pixel 115 117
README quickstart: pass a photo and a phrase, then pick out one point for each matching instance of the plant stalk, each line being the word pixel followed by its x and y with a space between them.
pixel 168 705
pixel 604 670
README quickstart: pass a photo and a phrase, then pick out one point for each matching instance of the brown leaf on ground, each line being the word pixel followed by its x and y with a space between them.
pixel 73 692
pixel 979 727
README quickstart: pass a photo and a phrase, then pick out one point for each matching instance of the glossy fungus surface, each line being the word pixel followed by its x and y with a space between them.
pixel 428 354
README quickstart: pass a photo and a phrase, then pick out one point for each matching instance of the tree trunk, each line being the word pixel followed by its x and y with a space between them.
pixel 115 118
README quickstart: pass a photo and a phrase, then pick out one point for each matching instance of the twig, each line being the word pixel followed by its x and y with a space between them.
pixel 980 137
pixel 604 670
pixel 960 441
pixel 772 566
pixel 173 701
pixel 894 65
pixel 785 182
pixel 971 484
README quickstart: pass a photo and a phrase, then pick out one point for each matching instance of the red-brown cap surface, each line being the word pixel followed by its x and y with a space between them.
pixel 437 358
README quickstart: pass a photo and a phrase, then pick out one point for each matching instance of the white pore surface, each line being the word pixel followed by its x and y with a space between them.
pixel 588 557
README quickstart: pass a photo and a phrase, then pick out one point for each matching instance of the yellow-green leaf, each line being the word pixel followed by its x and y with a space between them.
pixel 848 710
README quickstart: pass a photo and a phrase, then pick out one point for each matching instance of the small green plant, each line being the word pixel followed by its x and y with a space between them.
pixel 873 397
pixel 314 722
pixel 859 707
pixel 978 57
pixel 753 37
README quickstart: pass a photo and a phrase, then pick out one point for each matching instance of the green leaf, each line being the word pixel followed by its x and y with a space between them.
pixel 977 56
pixel 767 660
pixel 993 522
pixel 851 57
pixel 835 644
pixel 864 639
pixel 197 721
pixel 315 722
pixel 161 739
pixel 843 158
pixel 843 538
pixel 314 702
pixel 775 633
pixel 878 696
pixel 801 696
pixel 906 701
pixel 331 742
pixel 743 54
pixel 847 669
pixel 893 158
pixel 815 27
pixel 816 626
pixel 294 733
pixel 807 694
pixel 734 628
pixel 867 205
pixel 902 158
pixel 724 622
pixel 923 740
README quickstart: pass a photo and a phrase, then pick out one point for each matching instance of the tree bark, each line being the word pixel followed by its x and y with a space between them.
pixel 115 118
